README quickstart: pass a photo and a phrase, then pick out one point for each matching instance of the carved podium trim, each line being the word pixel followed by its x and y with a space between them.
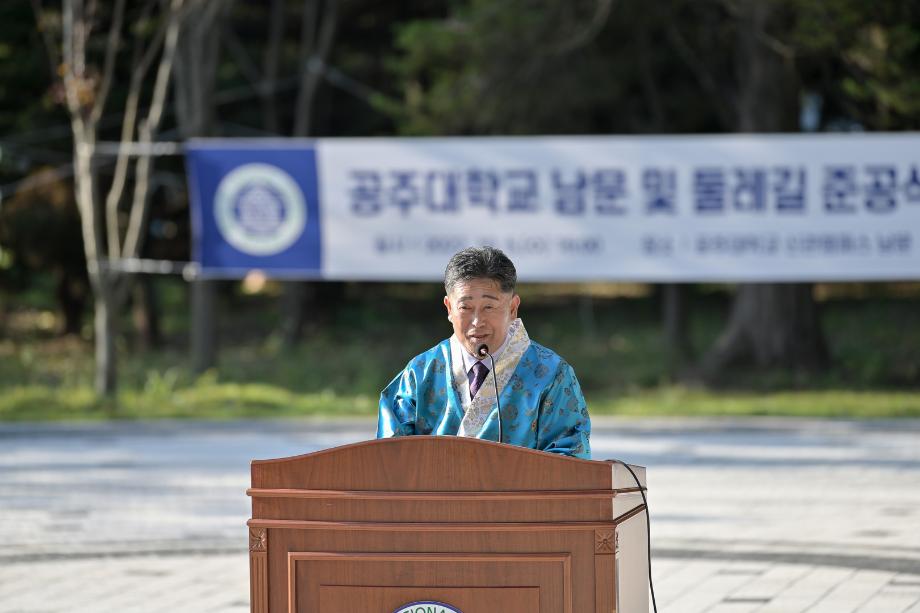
pixel 258 570
pixel 604 541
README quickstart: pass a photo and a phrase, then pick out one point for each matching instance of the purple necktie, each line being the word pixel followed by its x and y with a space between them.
pixel 476 376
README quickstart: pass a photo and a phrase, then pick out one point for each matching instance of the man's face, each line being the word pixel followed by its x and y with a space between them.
pixel 481 313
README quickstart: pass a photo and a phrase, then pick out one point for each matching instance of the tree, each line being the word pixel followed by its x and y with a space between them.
pixel 675 66
pixel 198 52
pixel 318 24
pixel 85 65
pixel 860 58
pixel 38 227
pixel 769 324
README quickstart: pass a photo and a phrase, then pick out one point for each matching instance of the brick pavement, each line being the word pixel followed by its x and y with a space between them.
pixel 766 515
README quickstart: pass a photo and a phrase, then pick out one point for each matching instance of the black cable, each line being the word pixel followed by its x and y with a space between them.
pixel 497 403
pixel 648 531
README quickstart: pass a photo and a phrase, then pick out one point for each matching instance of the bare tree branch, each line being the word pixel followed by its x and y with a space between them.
pixel 589 32
pixel 310 72
pixel 141 65
pixel 113 198
pixel 67 69
pixel 148 128
pixel 78 38
pixel 247 66
pixel 54 58
pixel 649 85
pixel 139 71
pixel 89 19
pixel 111 52
pixel 724 102
pixel 308 27
pixel 787 52
pixel 197 53
pixel 270 65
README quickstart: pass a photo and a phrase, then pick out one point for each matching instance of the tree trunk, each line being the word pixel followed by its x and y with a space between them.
pixel 587 318
pixel 676 314
pixel 104 296
pixel 675 309
pixel 294 300
pixel 319 21
pixel 105 330
pixel 196 73
pixel 204 328
pixel 145 312
pixel 71 297
pixel 102 241
pixel 770 325
pixel 270 64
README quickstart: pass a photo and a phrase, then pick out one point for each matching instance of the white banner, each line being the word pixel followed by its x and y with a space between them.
pixel 798 207
pixel 703 208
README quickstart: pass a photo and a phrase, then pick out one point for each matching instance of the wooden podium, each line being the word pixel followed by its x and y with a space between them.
pixel 477 525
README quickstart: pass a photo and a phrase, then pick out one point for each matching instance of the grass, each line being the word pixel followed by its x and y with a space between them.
pixel 615 345
pixel 675 400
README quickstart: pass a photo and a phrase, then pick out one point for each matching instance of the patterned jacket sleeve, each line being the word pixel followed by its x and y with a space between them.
pixel 397 411
pixel 564 425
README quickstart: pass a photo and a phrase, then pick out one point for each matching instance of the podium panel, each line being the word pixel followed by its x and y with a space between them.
pixel 469 582
pixel 377 525
pixel 389 599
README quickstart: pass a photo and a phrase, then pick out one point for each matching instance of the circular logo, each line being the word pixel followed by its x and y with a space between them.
pixel 260 209
pixel 427 606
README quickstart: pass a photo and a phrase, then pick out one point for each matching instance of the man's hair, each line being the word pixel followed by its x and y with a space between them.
pixel 480 263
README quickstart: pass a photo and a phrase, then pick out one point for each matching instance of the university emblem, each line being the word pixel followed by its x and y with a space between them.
pixel 259 209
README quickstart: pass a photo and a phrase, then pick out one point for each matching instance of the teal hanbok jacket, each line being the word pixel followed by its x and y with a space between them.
pixel 542 406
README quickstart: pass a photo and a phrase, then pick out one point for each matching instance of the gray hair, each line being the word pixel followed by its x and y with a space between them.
pixel 480 263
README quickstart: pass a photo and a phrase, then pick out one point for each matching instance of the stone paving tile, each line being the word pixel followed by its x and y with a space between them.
pixel 767 515
pixel 735 607
pixel 900 594
pixel 764 588
pixel 889 603
pixel 190 583
pixel 851 595
pixel 808 590
pixel 708 593
pixel 684 579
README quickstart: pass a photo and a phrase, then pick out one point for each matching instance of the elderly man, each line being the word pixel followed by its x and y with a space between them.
pixel 448 390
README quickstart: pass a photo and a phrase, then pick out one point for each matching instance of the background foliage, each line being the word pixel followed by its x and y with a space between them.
pixel 447 67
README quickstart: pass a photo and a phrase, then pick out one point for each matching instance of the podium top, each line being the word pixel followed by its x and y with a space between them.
pixel 435 464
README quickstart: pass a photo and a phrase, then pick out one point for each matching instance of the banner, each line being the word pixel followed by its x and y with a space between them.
pixel 816 207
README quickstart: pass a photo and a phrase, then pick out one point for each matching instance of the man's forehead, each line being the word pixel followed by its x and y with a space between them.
pixel 478 288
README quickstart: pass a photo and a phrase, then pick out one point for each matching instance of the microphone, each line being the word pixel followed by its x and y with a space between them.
pixel 483 351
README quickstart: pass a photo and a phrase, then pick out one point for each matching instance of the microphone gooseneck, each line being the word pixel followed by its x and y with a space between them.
pixel 483 351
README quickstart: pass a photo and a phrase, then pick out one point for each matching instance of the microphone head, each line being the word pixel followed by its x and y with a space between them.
pixel 482 351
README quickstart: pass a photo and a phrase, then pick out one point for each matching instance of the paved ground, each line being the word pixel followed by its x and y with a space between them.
pixel 762 515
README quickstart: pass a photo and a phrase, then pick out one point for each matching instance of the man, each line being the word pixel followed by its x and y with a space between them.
pixel 448 390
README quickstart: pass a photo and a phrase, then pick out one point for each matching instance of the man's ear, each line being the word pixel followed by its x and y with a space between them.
pixel 515 303
pixel 447 306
